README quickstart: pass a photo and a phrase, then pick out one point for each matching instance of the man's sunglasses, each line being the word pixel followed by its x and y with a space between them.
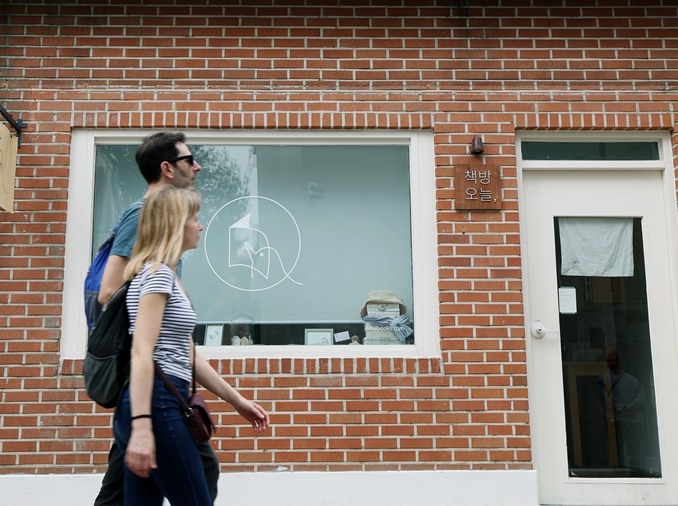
pixel 188 158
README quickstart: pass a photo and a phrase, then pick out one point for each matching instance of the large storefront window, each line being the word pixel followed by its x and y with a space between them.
pixel 297 238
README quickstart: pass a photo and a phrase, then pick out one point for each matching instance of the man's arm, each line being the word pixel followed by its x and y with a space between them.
pixel 112 278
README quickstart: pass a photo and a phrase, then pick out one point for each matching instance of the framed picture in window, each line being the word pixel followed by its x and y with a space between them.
pixel 213 335
pixel 319 336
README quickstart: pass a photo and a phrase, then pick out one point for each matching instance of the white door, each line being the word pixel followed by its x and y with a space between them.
pixel 602 361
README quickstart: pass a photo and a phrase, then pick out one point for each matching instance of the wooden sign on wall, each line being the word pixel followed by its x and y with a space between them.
pixel 8 150
pixel 477 187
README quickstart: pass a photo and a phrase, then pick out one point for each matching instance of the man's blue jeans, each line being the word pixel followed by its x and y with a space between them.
pixel 180 476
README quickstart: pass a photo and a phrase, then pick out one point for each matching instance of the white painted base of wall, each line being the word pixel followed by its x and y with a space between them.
pixel 406 488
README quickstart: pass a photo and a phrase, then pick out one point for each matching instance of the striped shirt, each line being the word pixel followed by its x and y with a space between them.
pixel 173 347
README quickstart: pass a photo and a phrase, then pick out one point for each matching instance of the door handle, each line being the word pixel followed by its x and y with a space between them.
pixel 538 330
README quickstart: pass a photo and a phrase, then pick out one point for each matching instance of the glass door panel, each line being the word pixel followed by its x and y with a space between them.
pixel 608 380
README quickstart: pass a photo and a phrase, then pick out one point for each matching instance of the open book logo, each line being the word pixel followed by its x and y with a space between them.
pixel 256 251
pixel 258 260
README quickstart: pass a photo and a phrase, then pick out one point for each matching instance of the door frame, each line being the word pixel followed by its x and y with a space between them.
pixel 666 166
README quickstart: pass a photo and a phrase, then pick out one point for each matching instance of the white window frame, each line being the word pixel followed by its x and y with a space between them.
pixel 664 146
pixel 423 223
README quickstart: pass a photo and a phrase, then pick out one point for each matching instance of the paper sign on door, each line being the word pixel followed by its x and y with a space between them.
pixel 567 300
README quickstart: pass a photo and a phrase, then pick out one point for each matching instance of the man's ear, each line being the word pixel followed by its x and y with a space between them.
pixel 167 170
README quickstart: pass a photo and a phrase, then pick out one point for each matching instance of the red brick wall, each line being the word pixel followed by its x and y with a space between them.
pixel 310 64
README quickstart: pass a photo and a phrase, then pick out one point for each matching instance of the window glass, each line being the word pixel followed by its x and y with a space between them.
pixel 608 375
pixel 590 150
pixel 296 236
pixel 117 183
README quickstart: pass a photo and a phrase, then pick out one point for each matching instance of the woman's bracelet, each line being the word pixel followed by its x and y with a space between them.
pixel 140 416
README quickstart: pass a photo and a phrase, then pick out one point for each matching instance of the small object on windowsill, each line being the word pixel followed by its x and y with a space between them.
pixel 355 340
pixel 342 338
pixel 213 335
pixel 241 341
pixel 380 301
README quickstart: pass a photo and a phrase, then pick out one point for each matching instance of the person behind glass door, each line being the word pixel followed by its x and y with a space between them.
pixel 626 396
pixel 161 457
pixel 163 159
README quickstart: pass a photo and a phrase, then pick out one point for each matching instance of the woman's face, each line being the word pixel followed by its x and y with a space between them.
pixel 192 230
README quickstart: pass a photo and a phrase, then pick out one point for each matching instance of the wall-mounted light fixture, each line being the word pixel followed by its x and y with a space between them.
pixel 477 145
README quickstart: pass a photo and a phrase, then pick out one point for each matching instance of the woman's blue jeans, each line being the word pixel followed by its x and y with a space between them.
pixel 180 476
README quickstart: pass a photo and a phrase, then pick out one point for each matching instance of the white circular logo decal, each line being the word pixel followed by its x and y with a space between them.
pixel 253 243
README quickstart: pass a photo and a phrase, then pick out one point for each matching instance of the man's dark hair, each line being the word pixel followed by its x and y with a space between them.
pixel 155 149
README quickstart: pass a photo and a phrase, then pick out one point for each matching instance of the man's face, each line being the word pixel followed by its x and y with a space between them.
pixel 184 171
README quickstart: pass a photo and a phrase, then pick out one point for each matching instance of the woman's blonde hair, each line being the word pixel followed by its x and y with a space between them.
pixel 161 227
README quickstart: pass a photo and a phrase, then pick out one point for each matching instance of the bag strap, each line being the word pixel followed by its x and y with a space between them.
pixel 170 386
pixel 193 372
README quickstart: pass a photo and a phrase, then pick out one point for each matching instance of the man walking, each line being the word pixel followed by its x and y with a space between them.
pixel 163 158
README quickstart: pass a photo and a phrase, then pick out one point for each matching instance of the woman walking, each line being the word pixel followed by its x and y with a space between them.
pixel 161 458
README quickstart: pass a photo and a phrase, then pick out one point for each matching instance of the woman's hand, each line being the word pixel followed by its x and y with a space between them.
pixel 140 455
pixel 253 413
pixel 210 379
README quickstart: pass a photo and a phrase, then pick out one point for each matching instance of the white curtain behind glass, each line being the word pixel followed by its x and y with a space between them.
pixel 596 246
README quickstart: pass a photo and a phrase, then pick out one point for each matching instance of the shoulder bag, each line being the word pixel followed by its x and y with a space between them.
pixel 199 420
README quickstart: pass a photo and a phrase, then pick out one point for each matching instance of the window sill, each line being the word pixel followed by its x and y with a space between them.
pixel 309 351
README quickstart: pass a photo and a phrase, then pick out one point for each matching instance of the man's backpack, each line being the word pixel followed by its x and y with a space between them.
pixel 93 280
pixel 96 270
pixel 107 362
